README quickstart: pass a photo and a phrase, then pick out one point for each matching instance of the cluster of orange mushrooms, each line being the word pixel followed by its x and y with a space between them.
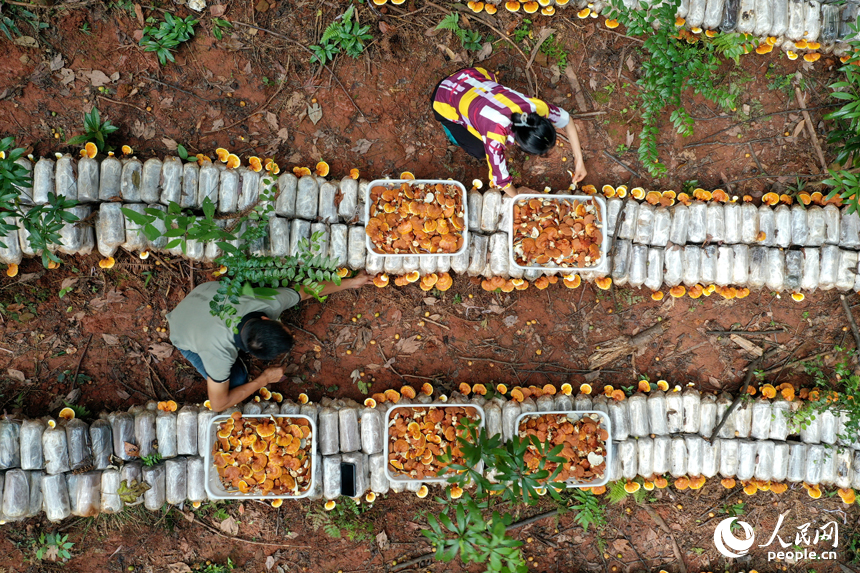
pixel 264 455
pixel 583 441
pixel 416 219
pixel 557 232
pixel 417 435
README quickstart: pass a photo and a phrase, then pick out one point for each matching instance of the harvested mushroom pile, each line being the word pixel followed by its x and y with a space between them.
pixel 416 219
pixel 417 434
pixel 264 456
pixel 557 233
pixel 584 444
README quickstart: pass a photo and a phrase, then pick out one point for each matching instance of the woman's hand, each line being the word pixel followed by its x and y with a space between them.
pixel 579 171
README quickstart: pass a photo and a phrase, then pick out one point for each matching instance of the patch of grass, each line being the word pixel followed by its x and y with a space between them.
pixel 553 49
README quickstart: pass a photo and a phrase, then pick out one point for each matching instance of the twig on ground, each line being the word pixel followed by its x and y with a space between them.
pixel 758 117
pixel 797 362
pixel 122 103
pixel 291 325
pixel 436 323
pixel 581 104
pixel 490 360
pixel 141 392
pixel 743 391
pixel 305 48
pixel 621 163
pixel 810 129
pixel 746 332
pixel 256 111
pixel 389 366
pixel 81 360
pixel 171 86
pixel 755 157
pixel 851 322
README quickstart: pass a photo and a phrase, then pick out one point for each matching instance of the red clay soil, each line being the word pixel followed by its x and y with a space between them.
pixel 228 93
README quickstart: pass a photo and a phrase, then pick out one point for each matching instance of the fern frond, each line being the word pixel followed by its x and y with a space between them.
pixel 450 22
pixel 330 32
pixel 617 493
pixel 332 531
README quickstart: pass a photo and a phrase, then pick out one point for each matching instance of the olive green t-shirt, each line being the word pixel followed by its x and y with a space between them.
pixel 193 328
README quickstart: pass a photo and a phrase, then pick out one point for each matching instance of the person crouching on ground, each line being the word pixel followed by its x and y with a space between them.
pixel 214 349
pixel 484 117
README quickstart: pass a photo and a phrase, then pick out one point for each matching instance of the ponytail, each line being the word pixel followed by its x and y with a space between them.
pixel 534 133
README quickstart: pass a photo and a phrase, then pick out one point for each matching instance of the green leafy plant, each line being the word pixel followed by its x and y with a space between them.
pixel 214 567
pixel 472 527
pixel 553 49
pixel 470 39
pixel 152 459
pixel 836 393
pixel 247 273
pixel 218 27
pixel 476 539
pixel 81 412
pixel 844 135
pixel 165 38
pixel 342 35
pixel 588 509
pixel 345 517
pixel 53 547
pixel 11 15
pixel 95 130
pixel 42 222
pixel 673 67
pixel 523 31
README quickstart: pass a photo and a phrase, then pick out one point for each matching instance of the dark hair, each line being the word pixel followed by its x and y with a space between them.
pixel 266 339
pixel 533 133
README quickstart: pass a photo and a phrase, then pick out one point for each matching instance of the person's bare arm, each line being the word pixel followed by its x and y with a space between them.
pixel 357 281
pixel 579 171
pixel 221 396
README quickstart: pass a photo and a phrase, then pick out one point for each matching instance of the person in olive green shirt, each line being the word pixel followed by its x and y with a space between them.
pixel 213 349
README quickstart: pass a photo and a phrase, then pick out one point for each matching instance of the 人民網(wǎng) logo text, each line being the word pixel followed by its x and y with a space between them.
pixel 803 546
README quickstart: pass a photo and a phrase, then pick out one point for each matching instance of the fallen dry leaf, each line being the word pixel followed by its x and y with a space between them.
pixel 142 131
pixel 485 52
pixel 170 144
pixel 178 568
pixel 362 146
pixel 113 296
pixel 26 41
pixel 362 337
pixel 110 339
pixel 98 78
pixel 283 134
pixel 57 62
pixel 430 301
pixel 68 282
pixel 315 113
pixel 407 345
pixel 131 450
pixel 229 526
pixel 382 541
pixel 272 120
pixel 16 375
pixel 160 350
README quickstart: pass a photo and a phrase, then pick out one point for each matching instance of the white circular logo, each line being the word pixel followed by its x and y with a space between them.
pixel 727 543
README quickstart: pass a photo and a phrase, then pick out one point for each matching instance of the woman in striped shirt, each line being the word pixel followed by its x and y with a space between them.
pixel 484 117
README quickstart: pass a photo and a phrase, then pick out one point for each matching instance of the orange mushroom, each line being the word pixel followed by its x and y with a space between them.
pixel 657 295
pixel 770 198
pixel 644 386
pixel 611 24
pixel 603 283
pixel 408 391
pixel 427 389
pixel 255 163
pixel 370 403
pixel 531 7
pixel 233 161
pixel 222 154
pixel 501 389
pixel 585 389
pixel 479 389
pixel 661 482
pixel 728 483
pixel 381 280
pixel 322 169
pixel 682 483
pixel 12 270
pixel 632 487
pixel 677 291
pixel 566 389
